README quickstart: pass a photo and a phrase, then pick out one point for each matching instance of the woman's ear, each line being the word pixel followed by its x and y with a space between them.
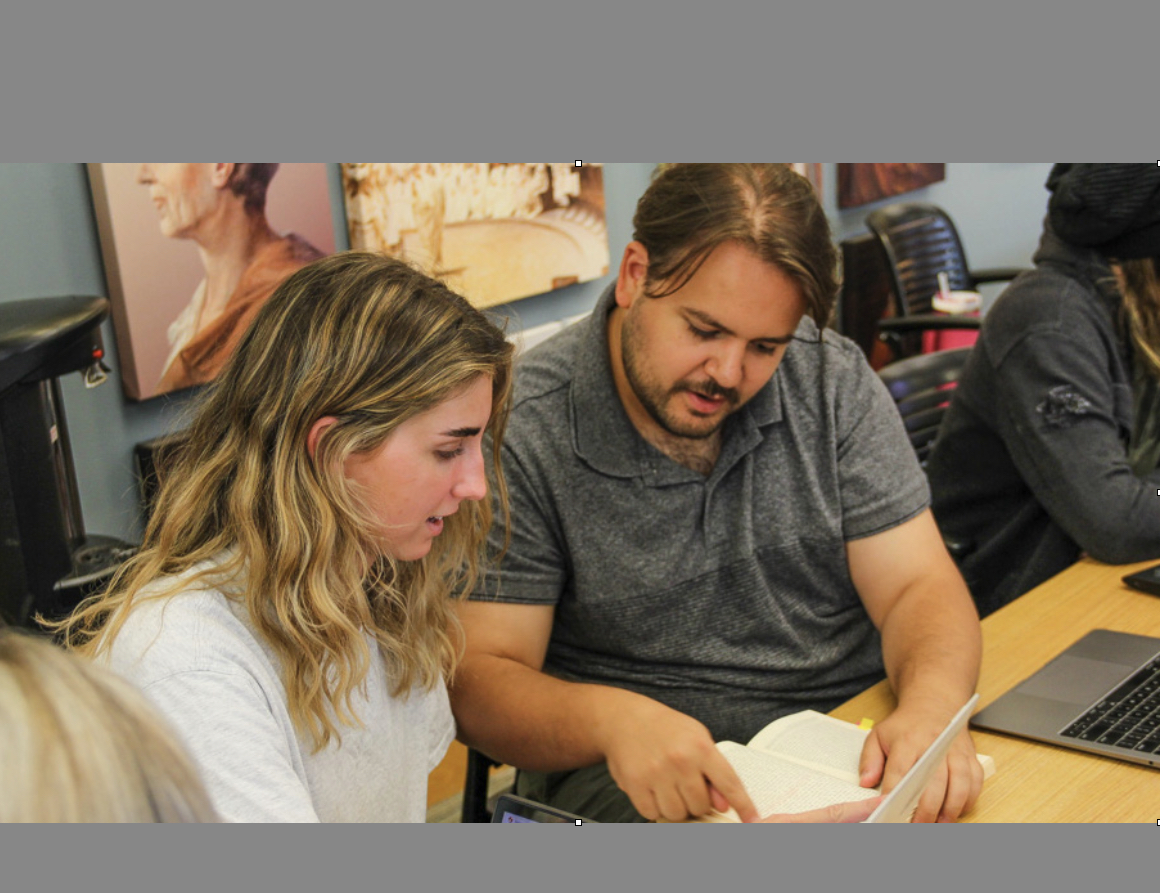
pixel 315 433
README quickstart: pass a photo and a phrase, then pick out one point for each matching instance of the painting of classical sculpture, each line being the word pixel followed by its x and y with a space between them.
pixel 493 232
pixel 192 250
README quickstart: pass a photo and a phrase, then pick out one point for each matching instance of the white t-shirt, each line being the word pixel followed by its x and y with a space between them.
pixel 196 658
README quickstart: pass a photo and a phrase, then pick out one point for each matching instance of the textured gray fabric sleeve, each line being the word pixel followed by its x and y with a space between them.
pixel 245 762
pixel 882 482
pixel 1060 417
pixel 534 570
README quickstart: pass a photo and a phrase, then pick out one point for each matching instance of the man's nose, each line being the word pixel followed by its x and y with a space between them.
pixel 727 365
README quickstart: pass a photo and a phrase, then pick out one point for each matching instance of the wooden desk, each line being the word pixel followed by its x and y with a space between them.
pixel 1038 782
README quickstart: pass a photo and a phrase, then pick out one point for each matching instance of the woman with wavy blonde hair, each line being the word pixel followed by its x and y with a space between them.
pixel 78 744
pixel 290 609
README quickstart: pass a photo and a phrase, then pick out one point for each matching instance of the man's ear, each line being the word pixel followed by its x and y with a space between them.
pixel 315 432
pixel 633 274
pixel 222 171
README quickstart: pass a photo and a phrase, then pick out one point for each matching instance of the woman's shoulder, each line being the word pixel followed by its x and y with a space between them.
pixel 1047 301
pixel 184 623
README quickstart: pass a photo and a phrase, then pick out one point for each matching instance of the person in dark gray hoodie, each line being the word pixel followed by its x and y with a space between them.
pixel 1050 447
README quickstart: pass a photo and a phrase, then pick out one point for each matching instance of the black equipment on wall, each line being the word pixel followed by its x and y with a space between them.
pixel 47 561
pixel 150 459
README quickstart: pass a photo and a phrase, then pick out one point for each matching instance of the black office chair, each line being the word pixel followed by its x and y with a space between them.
pixel 865 296
pixel 867 311
pixel 922 388
pixel 475 787
pixel 920 241
pixel 150 460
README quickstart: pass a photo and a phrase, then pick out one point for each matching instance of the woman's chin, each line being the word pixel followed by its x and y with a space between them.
pixel 409 551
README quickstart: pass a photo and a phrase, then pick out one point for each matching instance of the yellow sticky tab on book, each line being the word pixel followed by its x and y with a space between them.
pixel 866 724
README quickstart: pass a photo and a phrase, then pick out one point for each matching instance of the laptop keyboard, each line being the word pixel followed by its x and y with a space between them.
pixel 1128 717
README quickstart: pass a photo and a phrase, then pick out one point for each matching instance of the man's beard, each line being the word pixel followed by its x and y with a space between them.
pixel 655 398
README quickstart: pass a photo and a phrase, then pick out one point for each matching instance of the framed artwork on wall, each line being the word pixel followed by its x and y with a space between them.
pixel 860 184
pixel 494 232
pixel 191 251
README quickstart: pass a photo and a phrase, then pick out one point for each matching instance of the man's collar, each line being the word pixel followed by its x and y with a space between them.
pixel 605 437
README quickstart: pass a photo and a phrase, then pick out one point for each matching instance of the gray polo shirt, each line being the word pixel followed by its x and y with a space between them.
pixel 728 597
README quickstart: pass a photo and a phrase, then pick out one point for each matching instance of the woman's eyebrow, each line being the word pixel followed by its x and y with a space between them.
pixel 461 432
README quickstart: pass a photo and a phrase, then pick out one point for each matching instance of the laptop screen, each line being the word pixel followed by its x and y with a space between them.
pixel 510 809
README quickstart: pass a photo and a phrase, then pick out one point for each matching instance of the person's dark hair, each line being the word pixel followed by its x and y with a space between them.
pixel 1114 209
pixel 690 209
pixel 250 181
pixel 1111 208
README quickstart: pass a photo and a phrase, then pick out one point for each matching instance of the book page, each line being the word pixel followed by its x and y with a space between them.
pixel 815 740
pixel 824 743
pixel 779 786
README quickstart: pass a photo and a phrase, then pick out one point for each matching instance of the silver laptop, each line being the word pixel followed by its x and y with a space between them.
pixel 1101 695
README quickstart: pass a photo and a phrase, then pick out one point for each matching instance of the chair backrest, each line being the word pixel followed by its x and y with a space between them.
pixel 150 459
pixel 920 241
pixel 865 297
pixel 922 388
pixel 475 787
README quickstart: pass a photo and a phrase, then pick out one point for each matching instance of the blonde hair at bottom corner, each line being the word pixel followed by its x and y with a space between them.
pixel 79 744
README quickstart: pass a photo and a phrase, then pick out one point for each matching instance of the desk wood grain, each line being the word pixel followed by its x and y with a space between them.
pixel 1037 782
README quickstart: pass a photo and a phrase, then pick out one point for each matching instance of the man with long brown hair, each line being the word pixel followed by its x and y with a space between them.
pixel 717 519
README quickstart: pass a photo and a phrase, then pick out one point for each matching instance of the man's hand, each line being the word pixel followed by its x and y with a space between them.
pixel 931 647
pixel 858 811
pixel 667 764
pixel 896 743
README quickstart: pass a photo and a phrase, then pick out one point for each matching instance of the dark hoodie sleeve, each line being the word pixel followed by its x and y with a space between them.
pixel 1064 421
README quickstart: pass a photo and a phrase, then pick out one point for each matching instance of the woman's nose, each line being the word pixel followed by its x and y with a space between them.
pixel 472 483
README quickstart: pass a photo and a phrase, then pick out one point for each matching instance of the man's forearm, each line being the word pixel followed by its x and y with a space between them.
pixel 932 645
pixel 662 759
pixel 529 719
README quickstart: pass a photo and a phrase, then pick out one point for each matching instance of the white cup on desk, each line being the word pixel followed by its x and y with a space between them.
pixel 957 303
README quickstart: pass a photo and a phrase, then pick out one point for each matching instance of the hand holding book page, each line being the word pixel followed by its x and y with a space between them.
pixel 804 762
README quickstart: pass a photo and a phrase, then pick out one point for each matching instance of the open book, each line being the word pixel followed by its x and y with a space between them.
pixel 803 761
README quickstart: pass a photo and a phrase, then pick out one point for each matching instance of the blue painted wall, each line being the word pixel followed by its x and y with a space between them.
pixel 49 246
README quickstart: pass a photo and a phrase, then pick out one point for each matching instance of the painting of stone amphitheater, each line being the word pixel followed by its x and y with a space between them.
pixel 494 232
